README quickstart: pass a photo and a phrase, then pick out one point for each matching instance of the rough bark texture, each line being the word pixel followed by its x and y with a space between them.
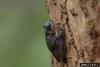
pixel 82 22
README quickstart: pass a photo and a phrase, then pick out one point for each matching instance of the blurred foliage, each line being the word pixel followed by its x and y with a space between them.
pixel 22 41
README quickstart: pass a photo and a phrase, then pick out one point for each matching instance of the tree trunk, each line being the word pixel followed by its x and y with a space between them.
pixel 82 27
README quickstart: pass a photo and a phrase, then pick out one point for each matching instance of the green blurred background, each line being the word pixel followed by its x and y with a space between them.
pixel 22 41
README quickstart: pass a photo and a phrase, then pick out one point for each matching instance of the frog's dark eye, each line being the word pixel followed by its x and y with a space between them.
pixel 52 33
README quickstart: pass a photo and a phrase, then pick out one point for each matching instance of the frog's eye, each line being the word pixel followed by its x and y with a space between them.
pixel 52 33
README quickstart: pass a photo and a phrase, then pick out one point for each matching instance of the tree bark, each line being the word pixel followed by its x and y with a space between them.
pixel 82 27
